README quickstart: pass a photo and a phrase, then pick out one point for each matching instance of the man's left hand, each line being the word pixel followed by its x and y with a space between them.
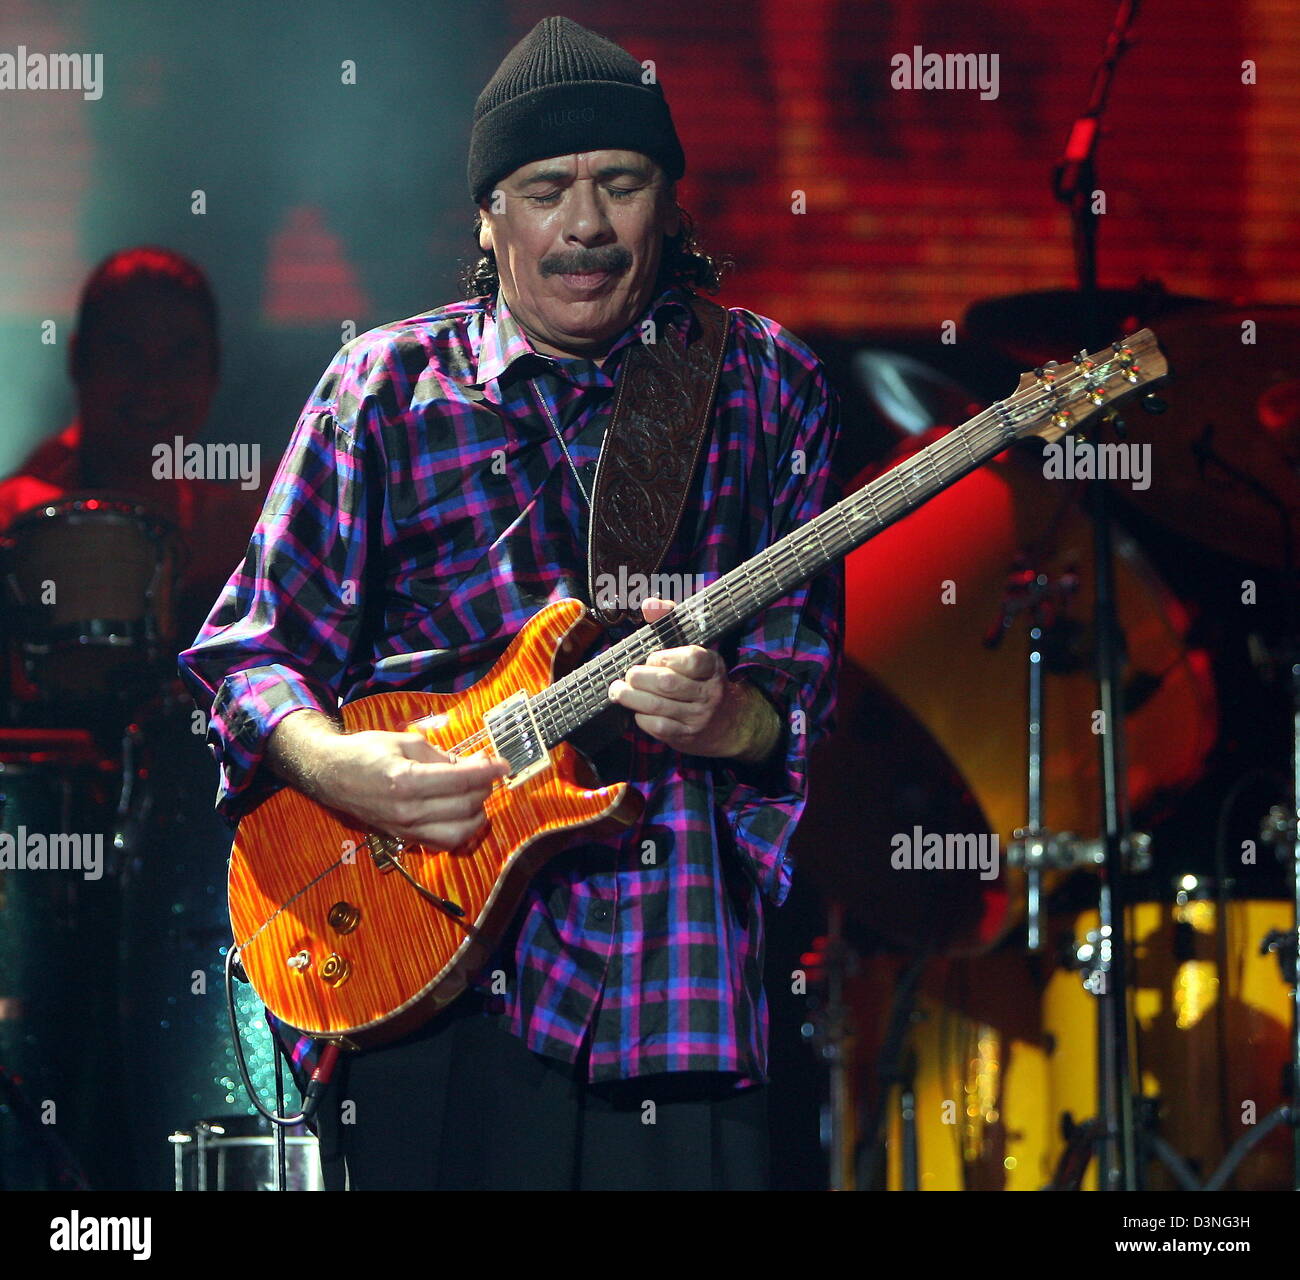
pixel 683 697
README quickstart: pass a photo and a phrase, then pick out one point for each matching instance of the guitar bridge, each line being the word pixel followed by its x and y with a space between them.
pixel 517 738
pixel 384 851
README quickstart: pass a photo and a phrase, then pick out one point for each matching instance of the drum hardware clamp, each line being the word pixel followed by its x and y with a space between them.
pixel 1066 851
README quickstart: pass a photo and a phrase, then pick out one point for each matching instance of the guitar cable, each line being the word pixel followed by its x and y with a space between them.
pixel 320 1077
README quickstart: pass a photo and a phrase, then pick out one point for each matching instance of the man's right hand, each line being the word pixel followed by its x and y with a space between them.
pixel 393 783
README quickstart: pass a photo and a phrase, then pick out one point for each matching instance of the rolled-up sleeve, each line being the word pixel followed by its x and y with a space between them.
pixel 279 637
pixel 790 651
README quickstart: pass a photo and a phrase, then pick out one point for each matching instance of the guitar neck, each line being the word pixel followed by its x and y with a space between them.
pixel 724 605
pixel 1048 403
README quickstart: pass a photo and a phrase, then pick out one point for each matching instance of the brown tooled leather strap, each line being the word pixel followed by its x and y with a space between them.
pixel 662 409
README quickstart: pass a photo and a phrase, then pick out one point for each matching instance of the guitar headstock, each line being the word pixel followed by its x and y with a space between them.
pixel 1054 399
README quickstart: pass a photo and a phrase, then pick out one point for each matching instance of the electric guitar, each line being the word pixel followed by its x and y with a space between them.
pixel 354 936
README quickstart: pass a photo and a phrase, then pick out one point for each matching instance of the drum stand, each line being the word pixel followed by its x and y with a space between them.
pixel 1034 849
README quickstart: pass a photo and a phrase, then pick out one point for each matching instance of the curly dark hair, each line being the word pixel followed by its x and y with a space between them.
pixel 684 262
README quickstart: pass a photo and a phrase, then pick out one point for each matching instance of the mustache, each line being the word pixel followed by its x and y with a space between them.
pixel 609 257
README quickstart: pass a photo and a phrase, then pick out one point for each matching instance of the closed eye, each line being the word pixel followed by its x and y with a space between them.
pixel 619 193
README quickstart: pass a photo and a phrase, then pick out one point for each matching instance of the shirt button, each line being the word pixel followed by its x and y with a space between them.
pixel 601 912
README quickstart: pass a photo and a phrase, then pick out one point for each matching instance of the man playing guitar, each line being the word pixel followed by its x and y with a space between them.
pixel 436 493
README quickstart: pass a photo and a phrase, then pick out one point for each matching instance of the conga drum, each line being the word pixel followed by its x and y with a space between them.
pixel 88 584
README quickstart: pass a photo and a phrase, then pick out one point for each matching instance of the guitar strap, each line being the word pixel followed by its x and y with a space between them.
pixel 663 404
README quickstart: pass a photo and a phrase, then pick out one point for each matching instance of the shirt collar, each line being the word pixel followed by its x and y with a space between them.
pixel 504 342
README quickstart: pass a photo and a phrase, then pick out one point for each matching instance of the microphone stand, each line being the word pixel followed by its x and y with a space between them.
pixel 1075 184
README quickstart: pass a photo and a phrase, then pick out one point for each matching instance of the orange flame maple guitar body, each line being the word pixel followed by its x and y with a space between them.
pixel 335 939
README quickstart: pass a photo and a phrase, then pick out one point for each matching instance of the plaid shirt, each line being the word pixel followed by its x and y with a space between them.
pixel 423 511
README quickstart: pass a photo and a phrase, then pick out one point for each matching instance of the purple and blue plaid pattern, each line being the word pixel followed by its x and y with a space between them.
pixel 423 511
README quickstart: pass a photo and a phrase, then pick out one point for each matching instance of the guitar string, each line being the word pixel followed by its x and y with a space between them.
pixel 893 485
pixel 891 488
pixel 1005 417
pixel 610 664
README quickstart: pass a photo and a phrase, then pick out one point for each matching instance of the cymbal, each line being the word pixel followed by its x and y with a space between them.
pixel 909 394
pixel 1225 456
pixel 1049 324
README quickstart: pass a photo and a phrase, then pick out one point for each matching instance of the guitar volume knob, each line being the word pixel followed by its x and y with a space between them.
pixel 344 917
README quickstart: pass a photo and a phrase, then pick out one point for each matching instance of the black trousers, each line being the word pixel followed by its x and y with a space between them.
pixel 464 1105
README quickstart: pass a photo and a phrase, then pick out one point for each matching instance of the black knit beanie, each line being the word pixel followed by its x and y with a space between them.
pixel 563 89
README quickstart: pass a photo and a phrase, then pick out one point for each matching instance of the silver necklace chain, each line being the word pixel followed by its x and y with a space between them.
pixel 586 497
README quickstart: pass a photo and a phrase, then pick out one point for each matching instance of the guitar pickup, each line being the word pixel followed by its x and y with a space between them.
pixel 517 738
